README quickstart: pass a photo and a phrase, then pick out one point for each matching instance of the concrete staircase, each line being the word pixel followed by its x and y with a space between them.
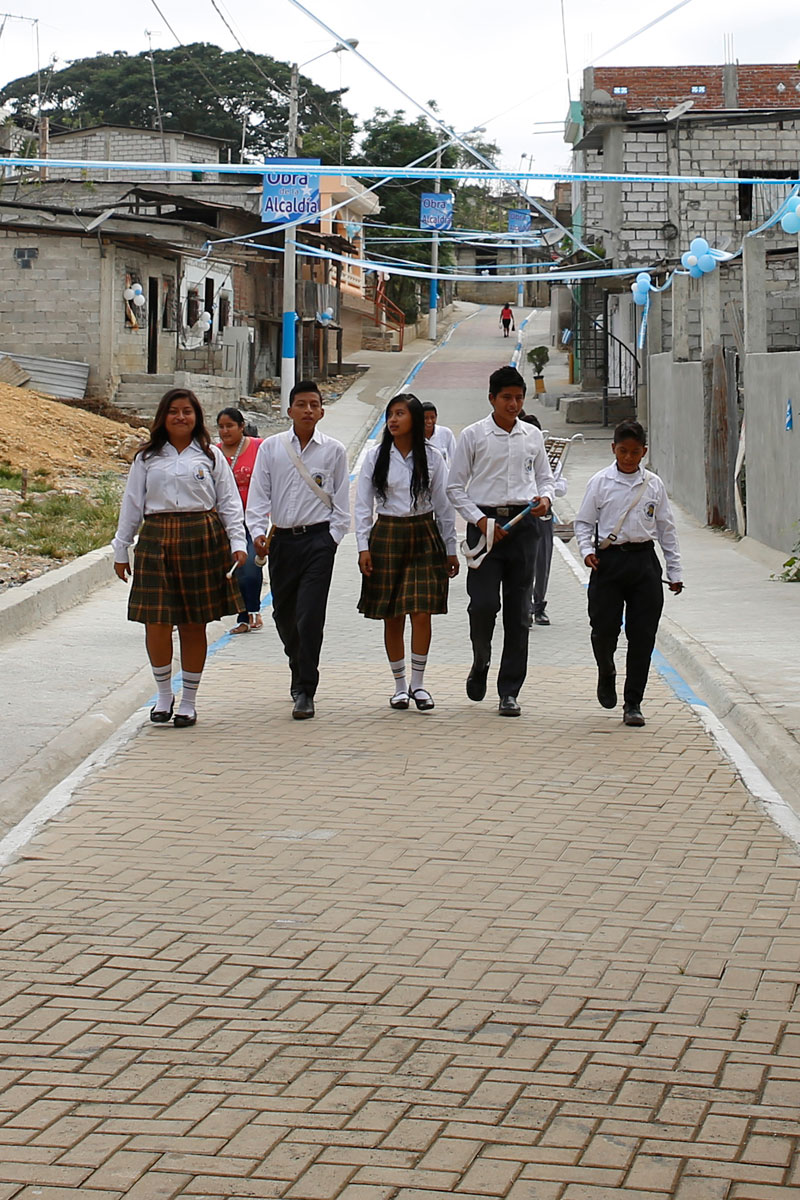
pixel 374 338
pixel 587 408
pixel 141 393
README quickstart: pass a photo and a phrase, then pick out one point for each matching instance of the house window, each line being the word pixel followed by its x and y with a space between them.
pixel 192 307
pixel 698 89
pixel 757 201
pixel 620 91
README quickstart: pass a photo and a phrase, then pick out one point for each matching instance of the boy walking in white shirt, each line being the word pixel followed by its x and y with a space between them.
pixel 300 480
pixel 436 435
pixel 500 465
pixel 624 511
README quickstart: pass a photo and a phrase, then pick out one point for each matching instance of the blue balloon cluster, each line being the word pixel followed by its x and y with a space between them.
pixel 641 285
pixel 790 221
pixel 699 259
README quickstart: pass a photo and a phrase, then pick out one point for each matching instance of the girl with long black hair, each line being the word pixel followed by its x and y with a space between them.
pixel 408 555
pixel 183 489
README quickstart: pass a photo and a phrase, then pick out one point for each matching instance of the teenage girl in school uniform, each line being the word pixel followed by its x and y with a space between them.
pixel 193 527
pixel 408 555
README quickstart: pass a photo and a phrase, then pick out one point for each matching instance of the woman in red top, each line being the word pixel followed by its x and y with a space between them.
pixel 506 319
pixel 240 451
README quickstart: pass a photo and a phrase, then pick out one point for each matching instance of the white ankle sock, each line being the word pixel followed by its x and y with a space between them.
pixel 418 662
pixel 399 673
pixel 191 682
pixel 163 678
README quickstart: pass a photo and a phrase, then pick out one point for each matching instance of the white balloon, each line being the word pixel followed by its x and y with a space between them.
pixel 138 300
pixel 129 293
pixel 137 287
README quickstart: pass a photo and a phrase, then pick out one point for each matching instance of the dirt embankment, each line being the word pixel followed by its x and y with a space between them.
pixel 71 446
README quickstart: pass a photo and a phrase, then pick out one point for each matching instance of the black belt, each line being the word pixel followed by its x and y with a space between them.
pixel 630 547
pixel 506 511
pixel 299 530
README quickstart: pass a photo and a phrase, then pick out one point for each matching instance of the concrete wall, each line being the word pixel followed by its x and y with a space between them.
pixel 109 143
pixel 69 304
pixel 773 453
pixel 677 431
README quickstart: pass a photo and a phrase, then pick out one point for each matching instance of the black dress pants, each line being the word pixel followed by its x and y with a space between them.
pixel 508 571
pixel 300 570
pixel 630 581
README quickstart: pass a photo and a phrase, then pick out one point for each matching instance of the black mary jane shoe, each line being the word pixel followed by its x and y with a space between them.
pixel 181 721
pixel 159 717
pixel 422 698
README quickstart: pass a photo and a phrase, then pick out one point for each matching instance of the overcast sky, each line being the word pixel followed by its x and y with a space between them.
pixel 477 58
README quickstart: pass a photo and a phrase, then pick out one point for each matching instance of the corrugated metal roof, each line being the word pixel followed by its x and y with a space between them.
pixel 56 376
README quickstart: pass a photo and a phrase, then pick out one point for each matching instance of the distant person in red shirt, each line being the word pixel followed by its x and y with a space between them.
pixel 240 451
pixel 507 319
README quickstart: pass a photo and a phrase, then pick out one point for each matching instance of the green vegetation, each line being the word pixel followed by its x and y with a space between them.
pixel 202 88
pixel 791 568
pixel 11 479
pixel 63 526
pixel 538 357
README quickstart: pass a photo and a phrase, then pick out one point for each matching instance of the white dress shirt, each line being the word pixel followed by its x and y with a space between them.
pixel 443 440
pixel 491 468
pixel 169 482
pixel 608 494
pixel 279 491
pixel 399 501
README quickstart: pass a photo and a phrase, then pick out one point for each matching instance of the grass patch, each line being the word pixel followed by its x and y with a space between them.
pixel 63 526
pixel 11 479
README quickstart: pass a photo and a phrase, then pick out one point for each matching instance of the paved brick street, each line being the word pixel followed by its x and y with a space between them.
pixel 396 956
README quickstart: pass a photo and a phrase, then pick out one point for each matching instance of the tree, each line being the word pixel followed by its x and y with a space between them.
pixel 202 89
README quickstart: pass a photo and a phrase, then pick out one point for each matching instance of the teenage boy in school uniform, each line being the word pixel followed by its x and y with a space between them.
pixel 300 480
pixel 500 465
pixel 624 512
pixel 436 435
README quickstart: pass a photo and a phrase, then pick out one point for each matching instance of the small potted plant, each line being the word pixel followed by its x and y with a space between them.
pixel 538 357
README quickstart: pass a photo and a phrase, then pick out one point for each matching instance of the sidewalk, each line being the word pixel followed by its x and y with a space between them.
pixel 404 956
pixel 733 633
pixel 69 683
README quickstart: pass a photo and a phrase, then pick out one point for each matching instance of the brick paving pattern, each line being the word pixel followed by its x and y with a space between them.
pixel 396 956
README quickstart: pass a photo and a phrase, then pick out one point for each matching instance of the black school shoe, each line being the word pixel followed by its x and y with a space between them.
pixel 508 707
pixel 181 720
pixel 303 707
pixel 159 716
pixel 607 690
pixel 632 715
pixel 476 682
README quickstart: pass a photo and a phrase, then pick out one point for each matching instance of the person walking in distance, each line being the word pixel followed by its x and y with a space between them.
pixel 506 319
pixel 499 467
pixel 624 511
pixel 183 489
pixel 407 556
pixel 300 480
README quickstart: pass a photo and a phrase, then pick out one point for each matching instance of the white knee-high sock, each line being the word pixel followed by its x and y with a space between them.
pixel 399 673
pixel 191 682
pixel 418 662
pixel 163 678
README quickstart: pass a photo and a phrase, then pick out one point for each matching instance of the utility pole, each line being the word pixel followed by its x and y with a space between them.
pixel 434 289
pixel 289 338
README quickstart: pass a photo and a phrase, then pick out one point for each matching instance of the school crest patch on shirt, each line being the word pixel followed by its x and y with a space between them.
pixel 529 464
pixel 319 480
pixel 650 510
pixel 199 473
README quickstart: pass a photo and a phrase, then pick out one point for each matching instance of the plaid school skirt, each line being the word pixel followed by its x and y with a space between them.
pixel 179 571
pixel 409 568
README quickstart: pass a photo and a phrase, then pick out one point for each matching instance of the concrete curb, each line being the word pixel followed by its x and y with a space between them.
pixel 770 745
pixel 24 608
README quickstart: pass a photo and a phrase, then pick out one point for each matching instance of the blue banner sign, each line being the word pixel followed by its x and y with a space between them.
pixel 519 220
pixel 289 194
pixel 436 210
